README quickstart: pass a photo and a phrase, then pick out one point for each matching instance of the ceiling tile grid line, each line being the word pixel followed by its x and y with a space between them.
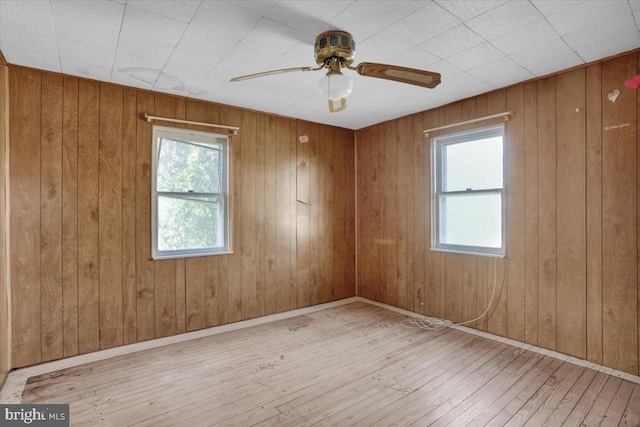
pixel 194 47
pixel 54 32
pixel 118 44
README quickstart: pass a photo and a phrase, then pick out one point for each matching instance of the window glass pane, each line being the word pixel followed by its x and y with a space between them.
pixel 471 220
pixel 189 167
pixel 190 222
pixel 473 164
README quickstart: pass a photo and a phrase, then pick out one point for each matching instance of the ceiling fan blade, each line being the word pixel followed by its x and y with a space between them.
pixel 337 105
pixel 268 73
pixel 411 76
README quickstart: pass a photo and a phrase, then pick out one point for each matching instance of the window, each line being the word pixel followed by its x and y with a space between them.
pixel 190 193
pixel 468 192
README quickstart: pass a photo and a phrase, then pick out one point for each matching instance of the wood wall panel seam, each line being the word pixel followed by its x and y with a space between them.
pixel 620 318
pixel 5 321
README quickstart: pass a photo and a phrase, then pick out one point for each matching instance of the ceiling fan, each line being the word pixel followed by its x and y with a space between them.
pixel 335 50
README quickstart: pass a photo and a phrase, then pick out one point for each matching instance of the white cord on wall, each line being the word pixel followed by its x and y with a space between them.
pixel 434 324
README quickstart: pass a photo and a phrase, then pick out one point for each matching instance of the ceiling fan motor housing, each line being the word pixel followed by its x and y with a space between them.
pixel 332 44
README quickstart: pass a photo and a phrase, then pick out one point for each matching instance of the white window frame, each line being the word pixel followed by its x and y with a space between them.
pixel 438 163
pixel 191 136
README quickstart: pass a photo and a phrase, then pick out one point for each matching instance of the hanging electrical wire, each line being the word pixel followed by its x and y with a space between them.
pixel 435 324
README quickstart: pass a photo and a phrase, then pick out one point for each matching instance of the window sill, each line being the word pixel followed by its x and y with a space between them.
pixel 481 254
pixel 158 258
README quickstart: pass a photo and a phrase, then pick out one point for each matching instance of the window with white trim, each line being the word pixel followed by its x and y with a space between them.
pixel 190 200
pixel 468 208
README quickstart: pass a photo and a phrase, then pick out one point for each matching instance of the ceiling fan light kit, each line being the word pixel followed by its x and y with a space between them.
pixel 335 85
pixel 335 50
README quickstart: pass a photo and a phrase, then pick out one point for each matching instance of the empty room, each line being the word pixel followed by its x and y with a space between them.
pixel 297 213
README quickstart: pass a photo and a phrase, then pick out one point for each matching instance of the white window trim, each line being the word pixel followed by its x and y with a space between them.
pixel 198 137
pixel 436 176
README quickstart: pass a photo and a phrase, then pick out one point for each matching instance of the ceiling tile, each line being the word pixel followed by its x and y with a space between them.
pixel 238 63
pixel 475 56
pixel 386 11
pixel 342 119
pixel 381 47
pixel 214 31
pixel 360 29
pixel 548 8
pixel 547 58
pixel 450 42
pixel 460 85
pixel 306 104
pixel 180 10
pixel 27 34
pixel 92 72
pixel 184 63
pixel 525 37
pixel 588 14
pixel 295 82
pixel 128 79
pixel 259 7
pixel 147 39
pixel 309 17
pixel 504 19
pixel 416 98
pixel 636 17
pixel 342 4
pixel 29 59
pixel 274 37
pixel 291 94
pixel 219 90
pixel 87 32
pixel 500 73
pixel 424 23
pixel 414 58
pixel 608 38
pixel 362 84
pixel 264 44
pixel 445 69
pixel 467 9
pixel 300 56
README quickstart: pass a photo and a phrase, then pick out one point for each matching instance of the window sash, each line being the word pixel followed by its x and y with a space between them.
pixel 221 198
pixel 199 142
pixel 459 138
pixel 439 229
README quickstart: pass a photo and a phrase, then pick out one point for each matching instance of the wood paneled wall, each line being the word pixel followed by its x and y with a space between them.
pixel 569 281
pixel 80 181
pixel 4 261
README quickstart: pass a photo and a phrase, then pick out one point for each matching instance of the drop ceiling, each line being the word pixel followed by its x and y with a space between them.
pixel 192 47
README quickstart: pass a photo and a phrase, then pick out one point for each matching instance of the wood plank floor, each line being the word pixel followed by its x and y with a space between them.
pixel 353 365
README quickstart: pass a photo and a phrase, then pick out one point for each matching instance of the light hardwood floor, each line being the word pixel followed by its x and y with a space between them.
pixel 352 365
